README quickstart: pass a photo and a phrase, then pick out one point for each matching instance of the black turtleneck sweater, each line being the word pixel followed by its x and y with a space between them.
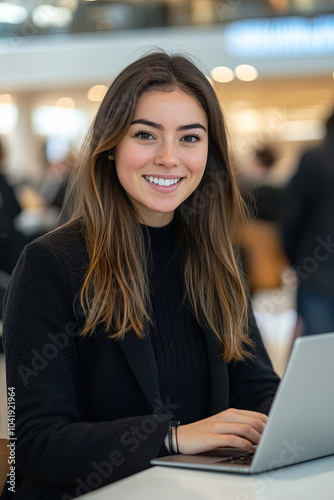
pixel 176 336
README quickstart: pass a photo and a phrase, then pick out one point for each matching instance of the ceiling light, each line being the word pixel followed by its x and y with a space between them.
pixel 12 14
pixel 248 121
pixel 279 5
pixel 210 80
pixel 65 102
pixel 6 99
pixel 305 5
pixel 246 72
pixel 97 93
pixel 222 74
pixel 69 4
pixel 8 118
pixel 62 122
pixel 45 16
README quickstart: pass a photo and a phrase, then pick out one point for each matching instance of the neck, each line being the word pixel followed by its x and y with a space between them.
pixel 156 220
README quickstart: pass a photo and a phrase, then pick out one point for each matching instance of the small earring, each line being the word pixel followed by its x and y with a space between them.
pixel 111 157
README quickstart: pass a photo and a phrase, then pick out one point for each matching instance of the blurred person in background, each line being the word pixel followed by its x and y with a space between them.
pixel 53 188
pixel 138 298
pixel 259 239
pixel 308 234
pixel 11 240
pixel 263 195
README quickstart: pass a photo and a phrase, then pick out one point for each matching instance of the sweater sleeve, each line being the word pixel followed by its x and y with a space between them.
pixel 253 383
pixel 54 446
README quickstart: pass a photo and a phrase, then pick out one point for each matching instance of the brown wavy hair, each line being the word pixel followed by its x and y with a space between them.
pixel 115 291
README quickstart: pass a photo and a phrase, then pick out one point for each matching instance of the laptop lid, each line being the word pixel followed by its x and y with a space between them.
pixel 301 420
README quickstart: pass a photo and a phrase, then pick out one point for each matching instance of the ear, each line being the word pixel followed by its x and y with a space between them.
pixel 111 155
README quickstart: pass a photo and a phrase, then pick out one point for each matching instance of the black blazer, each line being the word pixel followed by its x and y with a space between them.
pixel 88 410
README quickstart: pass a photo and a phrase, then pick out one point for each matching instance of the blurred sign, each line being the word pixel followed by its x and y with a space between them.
pixel 281 37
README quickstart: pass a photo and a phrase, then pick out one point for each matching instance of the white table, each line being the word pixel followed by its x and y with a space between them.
pixel 313 480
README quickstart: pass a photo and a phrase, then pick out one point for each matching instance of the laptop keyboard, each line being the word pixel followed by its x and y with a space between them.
pixel 243 459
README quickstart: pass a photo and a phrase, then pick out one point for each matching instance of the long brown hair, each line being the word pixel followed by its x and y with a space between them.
pixel 115 291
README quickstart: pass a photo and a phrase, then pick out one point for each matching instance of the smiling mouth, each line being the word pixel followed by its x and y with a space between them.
pixel 162 182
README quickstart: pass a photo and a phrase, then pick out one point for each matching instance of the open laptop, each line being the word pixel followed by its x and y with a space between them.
pixel 300 426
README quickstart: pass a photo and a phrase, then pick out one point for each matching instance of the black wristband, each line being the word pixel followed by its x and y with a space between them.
pixel 173 424
pixel 176 441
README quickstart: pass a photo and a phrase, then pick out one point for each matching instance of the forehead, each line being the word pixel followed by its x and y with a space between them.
pixel 169 104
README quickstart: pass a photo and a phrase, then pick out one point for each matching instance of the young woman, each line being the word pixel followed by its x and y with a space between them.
pixel 128 333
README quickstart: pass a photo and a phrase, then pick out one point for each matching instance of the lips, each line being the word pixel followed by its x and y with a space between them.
pixel 162 182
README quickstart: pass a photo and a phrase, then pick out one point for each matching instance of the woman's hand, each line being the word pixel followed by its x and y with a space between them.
pixel 233 428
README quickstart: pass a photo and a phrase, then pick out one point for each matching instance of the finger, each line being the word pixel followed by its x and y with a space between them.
pixel 209 442
pixel 233 414
pixel 225 441
pixel 232 441
pixel 242 430
pixel 246 413
pixel 243 418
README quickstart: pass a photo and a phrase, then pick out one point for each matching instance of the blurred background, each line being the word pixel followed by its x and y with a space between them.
pixel 270 62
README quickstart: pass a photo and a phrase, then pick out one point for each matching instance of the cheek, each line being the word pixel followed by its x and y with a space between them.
pixel 198 163
pixel 129 160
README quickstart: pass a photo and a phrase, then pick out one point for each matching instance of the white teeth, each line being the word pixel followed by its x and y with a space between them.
pixel 162 182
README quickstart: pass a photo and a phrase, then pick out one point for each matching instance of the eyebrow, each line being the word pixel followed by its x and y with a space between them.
pixel 160 127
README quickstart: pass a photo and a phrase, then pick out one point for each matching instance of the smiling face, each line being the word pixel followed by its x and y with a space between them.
pixel 162 157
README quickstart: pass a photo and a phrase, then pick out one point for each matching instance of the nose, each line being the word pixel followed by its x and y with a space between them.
pixel 167 156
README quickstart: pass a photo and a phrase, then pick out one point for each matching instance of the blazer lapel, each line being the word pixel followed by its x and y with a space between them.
pixel 140 356
pixel 219 384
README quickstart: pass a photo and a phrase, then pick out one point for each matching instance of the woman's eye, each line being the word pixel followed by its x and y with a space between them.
pixel 191 138
pixel 144 136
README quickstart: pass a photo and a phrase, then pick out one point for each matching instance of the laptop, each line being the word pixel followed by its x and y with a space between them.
pixel 300 424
